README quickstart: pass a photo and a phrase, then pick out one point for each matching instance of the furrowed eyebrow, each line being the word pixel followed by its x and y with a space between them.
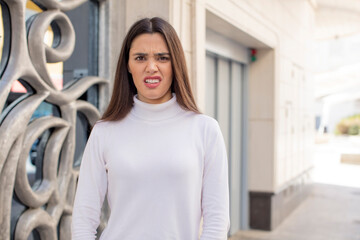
pixel 162 54
pixel 156 54
pixel 140 54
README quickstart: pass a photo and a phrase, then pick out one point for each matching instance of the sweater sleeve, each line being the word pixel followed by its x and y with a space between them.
pixel 91 190
pixel 215 188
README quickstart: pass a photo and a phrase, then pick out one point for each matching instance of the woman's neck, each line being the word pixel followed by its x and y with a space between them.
pixel 156 112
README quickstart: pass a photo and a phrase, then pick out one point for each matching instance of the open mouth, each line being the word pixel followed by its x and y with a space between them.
pixel 152 82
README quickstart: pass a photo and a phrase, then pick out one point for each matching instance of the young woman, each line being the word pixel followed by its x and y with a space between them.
pixel 162 164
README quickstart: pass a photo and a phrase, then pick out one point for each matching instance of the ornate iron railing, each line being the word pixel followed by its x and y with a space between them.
pixel 47 203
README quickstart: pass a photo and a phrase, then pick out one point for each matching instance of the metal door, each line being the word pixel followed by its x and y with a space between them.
pixel 224 101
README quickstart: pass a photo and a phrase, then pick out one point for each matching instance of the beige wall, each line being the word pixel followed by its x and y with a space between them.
pixel 280 107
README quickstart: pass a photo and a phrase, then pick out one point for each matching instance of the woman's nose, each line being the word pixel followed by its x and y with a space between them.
pixel 151 66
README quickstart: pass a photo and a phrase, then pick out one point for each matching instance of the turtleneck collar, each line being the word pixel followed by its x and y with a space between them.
pixel 156 112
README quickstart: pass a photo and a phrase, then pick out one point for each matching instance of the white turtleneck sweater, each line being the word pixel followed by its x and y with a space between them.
pixel 162 168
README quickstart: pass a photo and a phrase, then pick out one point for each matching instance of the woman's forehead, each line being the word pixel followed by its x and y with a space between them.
pixel 153 42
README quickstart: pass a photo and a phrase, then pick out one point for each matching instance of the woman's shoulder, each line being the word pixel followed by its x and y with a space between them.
pixel 103 126
pixel 209 128
pixel 206 122
pixel 99 125
pixel 205 119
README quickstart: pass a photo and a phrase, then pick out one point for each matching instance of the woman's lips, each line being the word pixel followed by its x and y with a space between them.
pixel 152 82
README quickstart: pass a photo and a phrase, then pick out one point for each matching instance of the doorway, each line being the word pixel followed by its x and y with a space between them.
pixel 225 78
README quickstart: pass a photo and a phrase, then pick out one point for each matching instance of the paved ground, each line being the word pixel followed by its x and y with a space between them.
pixel 332 211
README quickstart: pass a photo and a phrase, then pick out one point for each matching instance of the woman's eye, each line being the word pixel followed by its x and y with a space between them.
pixel 164 59
pixel 140 58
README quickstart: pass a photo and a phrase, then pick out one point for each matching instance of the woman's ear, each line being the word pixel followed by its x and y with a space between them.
pixel 128 69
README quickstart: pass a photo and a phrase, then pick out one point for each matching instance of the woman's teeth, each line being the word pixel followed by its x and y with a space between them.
pixel 152 80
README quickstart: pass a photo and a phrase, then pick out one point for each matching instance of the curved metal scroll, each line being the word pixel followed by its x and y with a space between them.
pixel 49 205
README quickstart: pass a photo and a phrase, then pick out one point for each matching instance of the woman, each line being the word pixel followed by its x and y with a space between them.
pixel 162 164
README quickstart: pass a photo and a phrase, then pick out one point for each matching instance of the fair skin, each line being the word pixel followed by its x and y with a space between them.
pixel 150 67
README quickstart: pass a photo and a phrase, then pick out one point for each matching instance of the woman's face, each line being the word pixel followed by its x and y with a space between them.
pixel 150 67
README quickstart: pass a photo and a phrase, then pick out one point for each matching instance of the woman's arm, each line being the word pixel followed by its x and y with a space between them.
pixel 91 190
pixel 215 188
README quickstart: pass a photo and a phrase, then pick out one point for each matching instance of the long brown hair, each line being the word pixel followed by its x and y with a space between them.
pixel 124 89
